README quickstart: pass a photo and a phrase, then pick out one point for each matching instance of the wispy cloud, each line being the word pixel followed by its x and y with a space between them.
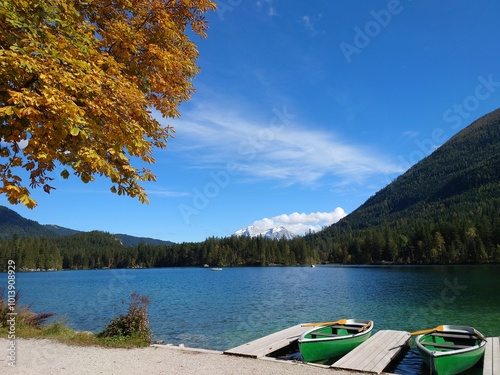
pixel 167 193
pixel 282 149
pixel 268 5
pixel 309 23
pixel 302 223
pixel 410 134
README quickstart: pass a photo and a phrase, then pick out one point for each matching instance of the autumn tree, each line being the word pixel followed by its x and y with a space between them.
pixel 79 84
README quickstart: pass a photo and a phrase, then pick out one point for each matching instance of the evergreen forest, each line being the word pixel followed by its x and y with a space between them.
pixel 443 210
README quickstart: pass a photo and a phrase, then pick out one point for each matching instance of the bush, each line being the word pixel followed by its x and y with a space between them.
pixel 135 324
pixel 24 315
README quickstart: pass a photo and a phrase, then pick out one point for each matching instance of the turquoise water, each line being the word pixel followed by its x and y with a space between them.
pixel 219 310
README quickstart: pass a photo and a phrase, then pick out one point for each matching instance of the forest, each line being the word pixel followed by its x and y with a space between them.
pixel 454 238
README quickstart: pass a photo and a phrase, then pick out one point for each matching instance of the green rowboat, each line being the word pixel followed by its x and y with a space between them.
pixel 331 341
pixel 449 350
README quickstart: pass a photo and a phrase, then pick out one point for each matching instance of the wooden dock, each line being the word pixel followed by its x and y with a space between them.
pixel 268 344
pixel 372 356
pixel 375 354
pixel 491 365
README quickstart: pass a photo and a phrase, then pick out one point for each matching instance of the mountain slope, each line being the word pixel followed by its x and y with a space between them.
pixel 128 240
pixel 466 168
pixel 61 231
pixel 13 224
pixel 443 209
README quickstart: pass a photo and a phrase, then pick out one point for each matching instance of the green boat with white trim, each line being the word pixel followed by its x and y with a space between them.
pixel 449 349
pixel 332 340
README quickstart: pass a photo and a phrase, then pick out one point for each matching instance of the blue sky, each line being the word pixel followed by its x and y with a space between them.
pixel 303 111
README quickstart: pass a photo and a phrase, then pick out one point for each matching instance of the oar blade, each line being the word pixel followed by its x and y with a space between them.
pixel 341 321
pixel 424 331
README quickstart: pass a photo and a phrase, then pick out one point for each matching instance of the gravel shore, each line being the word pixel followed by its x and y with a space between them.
pixel 52 358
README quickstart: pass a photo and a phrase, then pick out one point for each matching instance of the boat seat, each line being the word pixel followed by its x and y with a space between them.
pixel 348 327
pixel 314 335
pixel 455 335
pixel 447 346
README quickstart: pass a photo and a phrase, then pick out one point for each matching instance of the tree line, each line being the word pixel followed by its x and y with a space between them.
pixel 453 237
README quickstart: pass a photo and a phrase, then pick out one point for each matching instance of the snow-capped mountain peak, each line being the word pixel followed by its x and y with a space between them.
pixel 271 233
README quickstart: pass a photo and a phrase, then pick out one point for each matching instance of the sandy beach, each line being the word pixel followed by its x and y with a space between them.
pixel 51 358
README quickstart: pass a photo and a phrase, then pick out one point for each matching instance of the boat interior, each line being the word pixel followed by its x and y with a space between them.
pixel 337 330
pixel 441 341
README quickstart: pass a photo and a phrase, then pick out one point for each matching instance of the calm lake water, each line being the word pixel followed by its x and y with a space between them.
pixel 219 310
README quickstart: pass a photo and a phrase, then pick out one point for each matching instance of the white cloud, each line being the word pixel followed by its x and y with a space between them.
pixel 22 144
pixel 283 149
pixel 300 224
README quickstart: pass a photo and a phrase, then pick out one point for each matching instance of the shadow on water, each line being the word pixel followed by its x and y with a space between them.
pixel 292 353
pixel 409 362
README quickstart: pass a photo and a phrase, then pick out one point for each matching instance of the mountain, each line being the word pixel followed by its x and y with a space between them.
pixel 466 169
pixel 61 231
pixel 128 240
pixel 13 224
pixel 444 208
pixel 271 233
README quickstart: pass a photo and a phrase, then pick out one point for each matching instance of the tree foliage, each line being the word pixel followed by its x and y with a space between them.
pixel 79 81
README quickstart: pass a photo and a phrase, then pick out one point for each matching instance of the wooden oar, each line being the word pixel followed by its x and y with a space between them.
pixel 437 329
pixel 365 327
pixel 341 321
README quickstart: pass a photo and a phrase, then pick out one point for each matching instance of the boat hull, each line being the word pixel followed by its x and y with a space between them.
pixel 331 342
pixel 443 358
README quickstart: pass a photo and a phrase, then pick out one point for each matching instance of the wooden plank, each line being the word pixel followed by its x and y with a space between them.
pixel 496 356
pixel 488 357
pixel 376 353
pixel 491 364
pixel 268 344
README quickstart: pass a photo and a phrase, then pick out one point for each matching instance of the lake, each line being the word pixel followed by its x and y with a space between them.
pixel 222 309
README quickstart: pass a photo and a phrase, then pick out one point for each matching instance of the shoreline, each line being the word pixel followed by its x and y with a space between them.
pixel 44 356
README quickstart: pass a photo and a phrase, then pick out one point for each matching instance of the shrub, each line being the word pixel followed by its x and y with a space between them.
pixel 135 324
pixel 24 315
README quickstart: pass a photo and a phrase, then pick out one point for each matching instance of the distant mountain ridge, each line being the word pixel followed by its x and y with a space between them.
pixel 270 233
pixel 61 231
pixel 13 224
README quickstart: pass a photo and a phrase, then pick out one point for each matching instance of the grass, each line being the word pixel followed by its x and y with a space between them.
pixel 126 331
